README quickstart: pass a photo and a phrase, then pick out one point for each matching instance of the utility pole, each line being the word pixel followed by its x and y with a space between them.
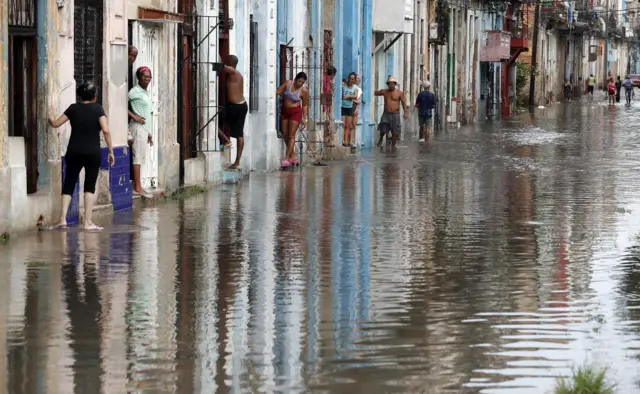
pixel 534 56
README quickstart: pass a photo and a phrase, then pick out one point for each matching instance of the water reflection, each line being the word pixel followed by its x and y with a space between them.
pixel 492 259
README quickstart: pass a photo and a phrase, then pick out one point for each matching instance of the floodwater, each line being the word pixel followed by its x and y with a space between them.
pixel 492 259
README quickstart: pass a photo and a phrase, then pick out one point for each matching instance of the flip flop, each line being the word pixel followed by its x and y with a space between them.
pixel 94 228
pixel 295 162
pixel 58 227
pixel 285 163
pixel 233 167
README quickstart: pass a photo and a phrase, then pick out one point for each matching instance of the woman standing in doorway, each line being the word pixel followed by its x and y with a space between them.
pixel 139 133
pixel 349 102
pixel 83 152
pixel 295 111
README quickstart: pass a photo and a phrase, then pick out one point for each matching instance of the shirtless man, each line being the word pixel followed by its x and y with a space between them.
pixel 236 110
pixel 390 120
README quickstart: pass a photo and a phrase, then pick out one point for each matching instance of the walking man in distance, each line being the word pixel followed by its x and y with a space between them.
pixel 390 120
pixel 425 102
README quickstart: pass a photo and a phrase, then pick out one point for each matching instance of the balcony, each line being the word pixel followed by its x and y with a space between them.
pixel 497 46
pixel 520 38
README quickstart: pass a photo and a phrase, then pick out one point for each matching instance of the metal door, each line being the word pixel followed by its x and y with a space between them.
pixel 145 38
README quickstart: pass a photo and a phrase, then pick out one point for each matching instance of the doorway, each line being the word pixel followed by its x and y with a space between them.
pixel 22 100
pixel 145 36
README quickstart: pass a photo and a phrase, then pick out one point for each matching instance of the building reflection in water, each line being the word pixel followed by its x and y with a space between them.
pixel 451 266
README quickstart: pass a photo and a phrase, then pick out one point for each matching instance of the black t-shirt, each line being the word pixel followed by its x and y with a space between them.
pixel 85 128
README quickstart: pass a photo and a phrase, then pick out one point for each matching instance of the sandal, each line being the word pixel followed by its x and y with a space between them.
pixel 285 163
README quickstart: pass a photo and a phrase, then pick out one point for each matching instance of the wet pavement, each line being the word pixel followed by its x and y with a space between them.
pixel 492 259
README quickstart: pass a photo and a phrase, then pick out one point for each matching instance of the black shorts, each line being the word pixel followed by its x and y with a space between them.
pixel 74 163
pixel 235 116
pixel 590 89
pixel 347 111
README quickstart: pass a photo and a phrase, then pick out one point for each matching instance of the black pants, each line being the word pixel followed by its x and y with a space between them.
pixel 74 164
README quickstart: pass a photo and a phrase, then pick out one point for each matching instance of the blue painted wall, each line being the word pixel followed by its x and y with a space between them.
pixel 389 68
pixel 351 36
pixel 367 59
pixel 119 178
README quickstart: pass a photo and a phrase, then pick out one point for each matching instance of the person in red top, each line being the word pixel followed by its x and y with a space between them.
pixel 611 89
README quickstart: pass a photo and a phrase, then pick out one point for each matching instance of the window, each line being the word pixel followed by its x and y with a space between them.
pixel 88 37
pixel 253 65
pixel 422 36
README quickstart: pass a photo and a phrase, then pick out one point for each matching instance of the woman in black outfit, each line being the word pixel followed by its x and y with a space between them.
pixel 87 121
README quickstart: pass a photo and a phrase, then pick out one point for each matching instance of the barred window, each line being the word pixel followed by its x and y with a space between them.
pixel 22 13
pixel 253 65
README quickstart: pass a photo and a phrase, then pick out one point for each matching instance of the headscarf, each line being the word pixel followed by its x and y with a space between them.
pixel 142 69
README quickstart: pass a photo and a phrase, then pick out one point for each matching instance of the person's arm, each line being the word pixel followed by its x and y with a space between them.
pixel 229 70
pixel 281 88
pixel 403 100
pixel 104 126
pixel 137 118
pixel 356 97
pixel 55 123
pixel 418 100
pixel 305 107
pixel 378 93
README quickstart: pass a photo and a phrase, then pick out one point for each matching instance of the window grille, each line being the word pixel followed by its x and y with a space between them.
pixel 22 13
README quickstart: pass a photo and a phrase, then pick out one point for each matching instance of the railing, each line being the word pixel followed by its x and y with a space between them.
pixel 206 116
pixel 309 60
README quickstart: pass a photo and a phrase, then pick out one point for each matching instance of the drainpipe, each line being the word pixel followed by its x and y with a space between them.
pixel 367 77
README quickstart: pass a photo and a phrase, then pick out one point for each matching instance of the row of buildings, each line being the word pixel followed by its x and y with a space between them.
pixel 468 49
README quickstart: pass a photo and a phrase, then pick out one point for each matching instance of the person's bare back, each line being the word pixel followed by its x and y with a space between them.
pixel 235 86
pixel 392 100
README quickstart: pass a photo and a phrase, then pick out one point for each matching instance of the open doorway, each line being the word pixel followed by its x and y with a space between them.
pixel 23 60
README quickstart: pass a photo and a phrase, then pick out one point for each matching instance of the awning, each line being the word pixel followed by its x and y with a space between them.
pixel 159 16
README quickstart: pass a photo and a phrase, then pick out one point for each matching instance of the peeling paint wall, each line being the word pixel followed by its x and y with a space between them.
pixel 115 86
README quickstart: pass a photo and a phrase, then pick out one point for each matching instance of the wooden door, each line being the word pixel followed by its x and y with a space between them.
pixel 23 101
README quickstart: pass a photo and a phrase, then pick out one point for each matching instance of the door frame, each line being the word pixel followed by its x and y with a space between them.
pixel 149 172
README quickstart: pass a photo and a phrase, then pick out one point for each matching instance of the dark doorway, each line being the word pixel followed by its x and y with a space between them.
pixel 23 59
pixel 87 41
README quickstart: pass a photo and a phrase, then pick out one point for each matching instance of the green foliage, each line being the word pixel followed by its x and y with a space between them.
pixel 523 73
pixel 585 380
pixel 4 237
pixel 188 192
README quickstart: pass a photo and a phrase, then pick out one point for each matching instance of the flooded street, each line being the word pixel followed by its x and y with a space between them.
pixel 492 259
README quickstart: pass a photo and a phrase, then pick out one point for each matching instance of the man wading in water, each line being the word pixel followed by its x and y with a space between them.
pixel 236 110
pixel 390 120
